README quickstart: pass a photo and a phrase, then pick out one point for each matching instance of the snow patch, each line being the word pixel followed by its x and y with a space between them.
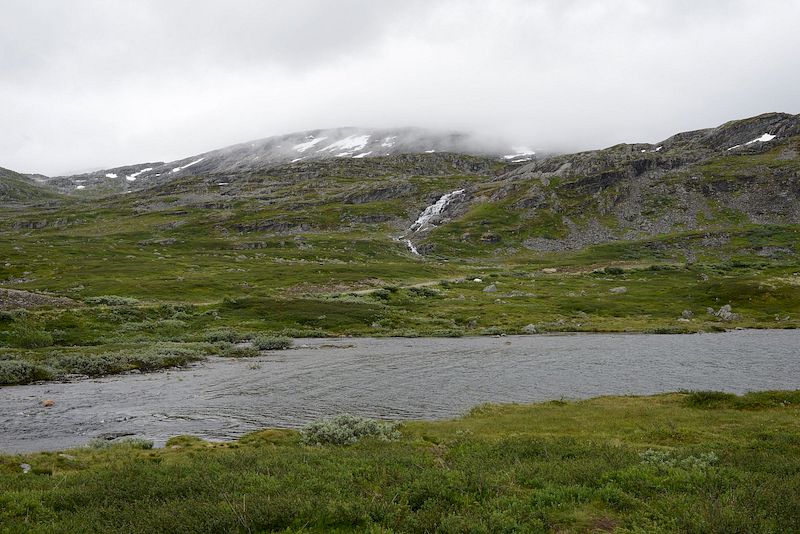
pixel 222 183
pixel 295 160
pixel 111 175
pixel 520 152
pixel 763 139
pixel 302 147
pixel 351 143
pixel 80 187
pixel 430 151
pixel 362 155
pixel 132 177
pixel 178 169
pixel 388 142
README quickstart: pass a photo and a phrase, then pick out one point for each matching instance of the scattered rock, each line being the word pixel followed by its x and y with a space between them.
pixel 489 237
pixel 47 403
pixel 11 299
pixel 684 320
pixel 477 280
pixel 67 457
pixel 26 468
pixel 726 314
pixel 687 314
pixel 549 270
pixel 618 290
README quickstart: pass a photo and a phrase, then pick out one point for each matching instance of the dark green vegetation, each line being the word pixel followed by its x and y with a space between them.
pixel 641 240
pixel 669 463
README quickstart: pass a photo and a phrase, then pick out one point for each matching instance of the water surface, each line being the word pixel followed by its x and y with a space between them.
pixel 423 378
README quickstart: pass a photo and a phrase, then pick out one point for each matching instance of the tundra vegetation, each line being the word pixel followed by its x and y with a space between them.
pixel 689 238
pixel 682 462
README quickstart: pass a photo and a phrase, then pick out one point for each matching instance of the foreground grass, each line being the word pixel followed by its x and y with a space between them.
pixel 668 463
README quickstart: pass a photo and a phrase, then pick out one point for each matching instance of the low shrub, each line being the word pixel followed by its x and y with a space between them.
pixel 423 291
pixel 150 359
pixel 381 294
pixel 272 342
pixel 614 270
pixel 346 429
pixel 19 372
pixel 448 332
pixel 111 300
pixel 665 460
pixel 303 332
pixel 29 337
pixel 222 334
pixel 90 365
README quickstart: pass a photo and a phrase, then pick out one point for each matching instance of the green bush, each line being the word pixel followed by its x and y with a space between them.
pixel 90 365
pixel 614 270
pixel 425 292
pixel 664 460
pixel 19 372
pixel 222 334
pixel 111 300
pixel 29 337
pixel 151 359
pixel 346 429
pixel 272 342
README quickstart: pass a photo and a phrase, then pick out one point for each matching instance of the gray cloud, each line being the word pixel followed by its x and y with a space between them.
pixel 92 83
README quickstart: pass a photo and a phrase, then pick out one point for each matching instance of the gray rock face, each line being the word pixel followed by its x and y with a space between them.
pixel 633 191
pixel 491 288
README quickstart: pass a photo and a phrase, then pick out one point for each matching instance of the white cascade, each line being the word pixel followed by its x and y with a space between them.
pixel 423 222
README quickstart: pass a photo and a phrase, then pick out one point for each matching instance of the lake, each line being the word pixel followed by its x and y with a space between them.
pixel 396 378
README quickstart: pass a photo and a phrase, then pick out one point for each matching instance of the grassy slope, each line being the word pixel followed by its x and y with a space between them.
pixel 558 466
pixel 301 255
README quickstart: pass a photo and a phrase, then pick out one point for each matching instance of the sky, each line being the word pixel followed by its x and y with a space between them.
pixel 90 84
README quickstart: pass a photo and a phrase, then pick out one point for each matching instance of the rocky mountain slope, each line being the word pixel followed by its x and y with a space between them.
pixel 308 146
pixel 743 172
pixel 17 188
pixel 740 174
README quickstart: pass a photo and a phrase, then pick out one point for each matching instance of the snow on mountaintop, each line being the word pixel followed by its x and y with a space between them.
pixel 294 148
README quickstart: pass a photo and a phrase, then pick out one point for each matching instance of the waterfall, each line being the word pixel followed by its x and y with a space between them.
pixel 423 222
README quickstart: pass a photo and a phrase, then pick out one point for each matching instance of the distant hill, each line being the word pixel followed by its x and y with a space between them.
pixel 307 146
pixel 18 188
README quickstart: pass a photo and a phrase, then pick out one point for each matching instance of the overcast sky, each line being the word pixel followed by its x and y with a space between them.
pixel 97 83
